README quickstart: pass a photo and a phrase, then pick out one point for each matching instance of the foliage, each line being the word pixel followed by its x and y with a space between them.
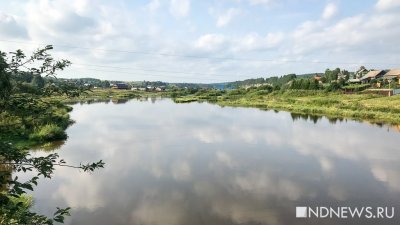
pixel 5 84
pixel 48 132
pixel 305 84
pixel 25 114
pixel 15 212
pixel 373 108
pixel 356 87
pixel 331 75
pixel 274 81
pixel 333 86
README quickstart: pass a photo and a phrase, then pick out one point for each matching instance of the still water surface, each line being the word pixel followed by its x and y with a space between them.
pixel 190 164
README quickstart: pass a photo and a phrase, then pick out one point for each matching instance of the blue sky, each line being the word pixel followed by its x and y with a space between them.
pixel 208 40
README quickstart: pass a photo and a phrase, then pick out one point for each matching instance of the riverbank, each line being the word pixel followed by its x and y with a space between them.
pixel 360 107
pixel 98 95
pixel 45 119
pixel 27 121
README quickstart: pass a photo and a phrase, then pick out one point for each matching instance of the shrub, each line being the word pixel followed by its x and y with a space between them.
pixel 49 132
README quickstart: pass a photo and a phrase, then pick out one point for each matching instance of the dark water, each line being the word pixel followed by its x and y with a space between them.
pixel 189 164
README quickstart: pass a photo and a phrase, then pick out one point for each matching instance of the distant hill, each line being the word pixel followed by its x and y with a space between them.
pixel 275 80
pixel 309 75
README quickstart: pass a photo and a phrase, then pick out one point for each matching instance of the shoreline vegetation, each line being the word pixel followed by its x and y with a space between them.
pixel 30 121
pixel 30 117
pixel 361 106
pixel 46 118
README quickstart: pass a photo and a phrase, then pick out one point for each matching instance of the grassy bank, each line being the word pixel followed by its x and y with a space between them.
pixel 27 121
pixel 361 107
pixel 98 95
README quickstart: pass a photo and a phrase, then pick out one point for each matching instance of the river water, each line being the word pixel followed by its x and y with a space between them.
pixel 198 163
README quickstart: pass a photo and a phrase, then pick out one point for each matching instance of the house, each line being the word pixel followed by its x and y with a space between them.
pixel 120 86
pixel 317 77
pixel 361 72
pixel 161 88
pixel 395 73
pixel 373 74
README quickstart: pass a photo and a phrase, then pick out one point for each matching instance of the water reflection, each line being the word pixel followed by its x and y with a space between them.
pixel 49 147
pixel 201 164
pixel 119 101
pixel 334 120
pixel 152 99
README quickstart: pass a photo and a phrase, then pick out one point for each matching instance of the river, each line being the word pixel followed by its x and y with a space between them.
pixel 198 163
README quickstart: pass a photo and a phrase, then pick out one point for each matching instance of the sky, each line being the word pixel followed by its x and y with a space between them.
pixel 205 41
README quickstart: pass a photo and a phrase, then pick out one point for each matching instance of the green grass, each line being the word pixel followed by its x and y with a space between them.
pixel 48 132
pixel 27 121
pixel 361 107
pixel 99 95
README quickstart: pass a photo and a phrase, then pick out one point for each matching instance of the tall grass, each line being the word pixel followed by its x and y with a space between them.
pixel 48 132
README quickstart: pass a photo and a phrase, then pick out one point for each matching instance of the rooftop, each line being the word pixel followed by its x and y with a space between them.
pixel 371 74
pixel 394 72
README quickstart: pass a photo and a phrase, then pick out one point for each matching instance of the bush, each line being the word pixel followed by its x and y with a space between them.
pixel 356 87
pixel 334 86
pixel 49 132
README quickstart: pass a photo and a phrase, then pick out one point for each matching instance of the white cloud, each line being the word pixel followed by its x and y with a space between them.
pixel 254 41
pixel 349 35
pixel 261 2
pixel 265 3
pixel 225 159
pixel 226 17
pixel 387 4
pixel 9 27
pixel 179 8
pixel 154 5
pixel 330 11
pixel 210 42
pixel 181 171
pixel 102 24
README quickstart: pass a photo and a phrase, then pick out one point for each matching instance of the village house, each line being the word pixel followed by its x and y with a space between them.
pixel 361 72
pixel 317 77
pixel 395 73
pixel 161 88
pixel 120 86
pixel 373 74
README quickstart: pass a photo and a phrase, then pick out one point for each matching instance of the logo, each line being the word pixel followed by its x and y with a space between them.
pixel 345 212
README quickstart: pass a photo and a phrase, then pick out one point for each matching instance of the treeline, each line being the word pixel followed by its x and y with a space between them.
pixel 273 81
pixel 331 79
pixel 90 82
pixel 279 81
pixel 305 84
pixel 247 82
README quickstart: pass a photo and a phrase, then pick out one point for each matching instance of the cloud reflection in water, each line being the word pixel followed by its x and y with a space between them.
pixel 198 163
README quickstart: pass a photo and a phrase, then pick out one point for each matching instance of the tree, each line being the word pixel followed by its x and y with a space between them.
pixel 314 85
pixel 13 210
pixel 5 84
pixel 38 81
